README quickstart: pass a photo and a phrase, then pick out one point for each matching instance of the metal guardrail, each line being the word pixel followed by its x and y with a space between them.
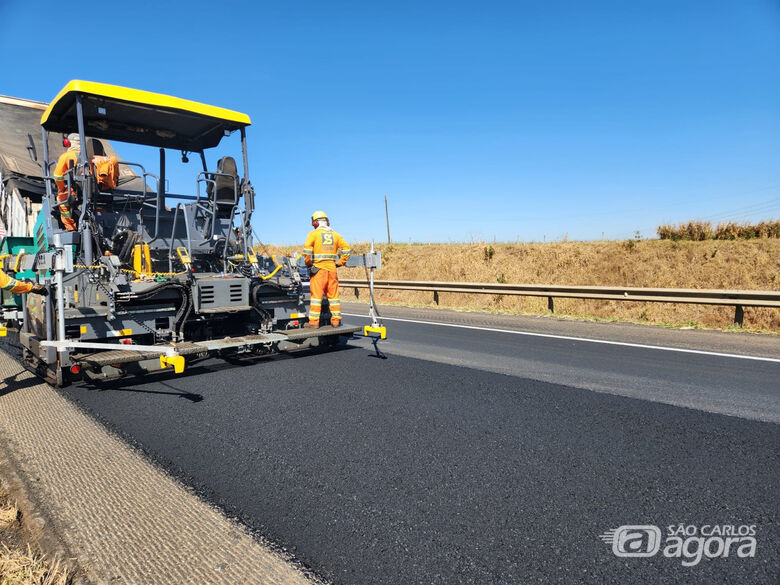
pixel 737 298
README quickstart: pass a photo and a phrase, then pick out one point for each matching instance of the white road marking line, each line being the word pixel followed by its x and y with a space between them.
pixel 566 337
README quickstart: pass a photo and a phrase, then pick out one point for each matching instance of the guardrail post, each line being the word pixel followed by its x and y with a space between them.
pixel 739 315
pixel 550 305
pixel 436 297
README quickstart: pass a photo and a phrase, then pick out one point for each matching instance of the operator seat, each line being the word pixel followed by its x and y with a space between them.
pixel 94 148
pixel 227 188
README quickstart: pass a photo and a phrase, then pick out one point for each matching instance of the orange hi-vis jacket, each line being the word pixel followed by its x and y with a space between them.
pixel 63 164
pixel 322 247
pixel 61 169
pixel 12 285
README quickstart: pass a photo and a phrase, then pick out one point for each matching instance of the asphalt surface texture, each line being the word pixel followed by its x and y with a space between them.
pixel 657 364
pixel 419 471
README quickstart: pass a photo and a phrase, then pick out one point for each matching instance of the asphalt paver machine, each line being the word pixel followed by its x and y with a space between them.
pixel 151 280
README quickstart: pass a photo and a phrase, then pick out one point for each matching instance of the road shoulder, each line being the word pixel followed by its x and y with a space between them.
pixel 122 518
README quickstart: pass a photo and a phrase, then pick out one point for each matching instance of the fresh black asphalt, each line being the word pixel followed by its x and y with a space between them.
pixel 406 471
pixel 741 387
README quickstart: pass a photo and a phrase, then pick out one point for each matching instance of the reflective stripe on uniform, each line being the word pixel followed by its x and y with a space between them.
pixel 10 284
pixel 315 308
pixel 325 257
pixel 308 251
pixel 335 306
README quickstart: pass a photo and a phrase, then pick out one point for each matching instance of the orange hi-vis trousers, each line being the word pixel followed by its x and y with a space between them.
pixel 67 159
pixel 65 214
pixel 324 283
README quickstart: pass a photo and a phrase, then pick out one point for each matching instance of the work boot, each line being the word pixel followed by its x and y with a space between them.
pixel 311 325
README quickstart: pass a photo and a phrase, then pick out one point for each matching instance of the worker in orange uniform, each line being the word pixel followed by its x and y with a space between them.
pixel 67 159
pixel 321 255
pixel 12 285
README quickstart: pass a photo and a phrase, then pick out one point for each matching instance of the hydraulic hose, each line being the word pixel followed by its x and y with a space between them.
pixel 184 308
pixel 274 272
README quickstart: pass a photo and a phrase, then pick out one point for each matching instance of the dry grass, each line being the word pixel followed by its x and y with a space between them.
pixel 710 264
pixel 9 515
pixel 698 231
pixel 20 565
pixel 26 568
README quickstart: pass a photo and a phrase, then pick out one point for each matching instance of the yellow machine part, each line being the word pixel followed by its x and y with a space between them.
pixel 181 251
pixel 177 361
pixel 381 331
pixel 142 259
pixel 19 255
pixel 154 101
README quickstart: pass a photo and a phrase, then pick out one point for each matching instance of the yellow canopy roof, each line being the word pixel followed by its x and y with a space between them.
pixel 142 117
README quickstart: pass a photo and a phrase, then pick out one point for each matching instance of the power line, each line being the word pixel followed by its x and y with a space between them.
pixel 761 207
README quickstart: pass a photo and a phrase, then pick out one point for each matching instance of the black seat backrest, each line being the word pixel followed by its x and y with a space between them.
pixel 94 148
pixel 226 187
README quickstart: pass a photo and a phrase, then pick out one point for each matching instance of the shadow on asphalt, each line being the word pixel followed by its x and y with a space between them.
pixel 209 365
pixel 12 383
pixel 116 385
pixel 378 354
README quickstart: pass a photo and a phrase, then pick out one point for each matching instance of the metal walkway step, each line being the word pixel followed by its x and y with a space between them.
pixel 108 358
pixel 202 348
pixel 295 334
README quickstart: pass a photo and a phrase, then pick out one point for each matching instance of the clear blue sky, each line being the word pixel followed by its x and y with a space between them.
pixel 477 119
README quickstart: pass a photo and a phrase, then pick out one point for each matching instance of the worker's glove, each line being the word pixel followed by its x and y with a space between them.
pixel 39 289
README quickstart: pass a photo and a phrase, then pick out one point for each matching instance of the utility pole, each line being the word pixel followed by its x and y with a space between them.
pixel 387 219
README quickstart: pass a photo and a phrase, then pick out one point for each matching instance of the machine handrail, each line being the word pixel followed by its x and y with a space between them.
pixel 212 210
pixel 202 178
pixel 173 235
pixel 144 175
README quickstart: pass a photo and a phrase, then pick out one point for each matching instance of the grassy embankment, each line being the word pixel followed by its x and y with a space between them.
pixel 19 565
pixel 710 264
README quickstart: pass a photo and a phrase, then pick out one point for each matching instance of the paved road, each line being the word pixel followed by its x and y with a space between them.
pixel 684 368
pixel 406 471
